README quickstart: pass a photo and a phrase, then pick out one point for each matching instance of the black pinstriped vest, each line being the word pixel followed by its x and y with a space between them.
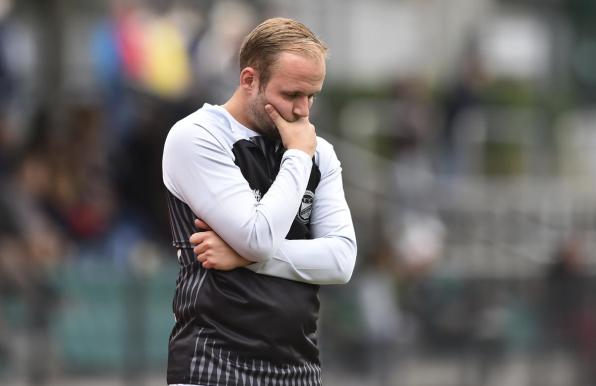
pixel 239 327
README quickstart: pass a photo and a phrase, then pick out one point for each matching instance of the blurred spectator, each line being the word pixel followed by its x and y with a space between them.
pixel 136 169
pixel 216 52
pixel 571 317
pixel 143 44
pixel 7 146
pixel 413 132
pixel 31 247
pixel 17 77
pixel 386 330
pixel 80 196
pixel 420 243
pixel 413 117
pixel 462 96
pixel 142 49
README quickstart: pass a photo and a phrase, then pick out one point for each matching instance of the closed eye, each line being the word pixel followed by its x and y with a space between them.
pixel 291 95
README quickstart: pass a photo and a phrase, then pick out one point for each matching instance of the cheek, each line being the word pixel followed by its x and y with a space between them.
pixel 284 107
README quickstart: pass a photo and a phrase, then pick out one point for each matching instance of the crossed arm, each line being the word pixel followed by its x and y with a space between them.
pixel 249 233
pixel 327 258
pixel 213 252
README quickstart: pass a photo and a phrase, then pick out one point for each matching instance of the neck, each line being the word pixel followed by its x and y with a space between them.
pixel 236 106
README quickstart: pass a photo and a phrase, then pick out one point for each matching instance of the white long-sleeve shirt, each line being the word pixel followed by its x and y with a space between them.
pixel 199 170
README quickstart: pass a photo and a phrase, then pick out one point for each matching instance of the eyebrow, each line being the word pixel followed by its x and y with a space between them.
pixel 292 92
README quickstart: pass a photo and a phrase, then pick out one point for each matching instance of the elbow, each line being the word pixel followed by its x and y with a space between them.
pixel 346 264
pixel 343 277
pixel 346 272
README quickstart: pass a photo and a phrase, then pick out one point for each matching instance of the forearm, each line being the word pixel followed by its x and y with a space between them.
pixel 326 260
pixel 256 229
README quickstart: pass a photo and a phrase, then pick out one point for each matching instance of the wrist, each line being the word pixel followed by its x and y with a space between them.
pixel 298 153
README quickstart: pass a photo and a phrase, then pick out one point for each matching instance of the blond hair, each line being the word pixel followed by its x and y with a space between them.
pixel 263 45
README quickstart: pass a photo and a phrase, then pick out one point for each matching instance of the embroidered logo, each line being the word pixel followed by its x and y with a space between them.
pixel 306 207
pixel 257 194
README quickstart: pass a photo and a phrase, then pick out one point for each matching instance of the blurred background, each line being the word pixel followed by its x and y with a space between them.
pixel 467 134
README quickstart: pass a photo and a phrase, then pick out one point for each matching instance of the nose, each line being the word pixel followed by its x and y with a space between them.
pixel 302 106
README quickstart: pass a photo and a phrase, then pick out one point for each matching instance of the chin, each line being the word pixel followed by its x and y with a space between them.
pixel 267 129
pixel 271 132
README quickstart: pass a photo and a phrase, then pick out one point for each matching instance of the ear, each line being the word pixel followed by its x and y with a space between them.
pixel 249 79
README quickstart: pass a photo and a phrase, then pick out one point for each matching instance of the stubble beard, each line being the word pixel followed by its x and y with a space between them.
pixel 261 120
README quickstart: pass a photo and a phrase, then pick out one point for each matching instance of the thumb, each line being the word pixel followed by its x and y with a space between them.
pixel 202 225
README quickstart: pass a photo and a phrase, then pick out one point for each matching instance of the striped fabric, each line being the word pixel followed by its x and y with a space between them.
pixel 217 367
pixel 182 225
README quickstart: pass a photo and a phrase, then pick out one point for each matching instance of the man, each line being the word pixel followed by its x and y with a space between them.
pixel 268 196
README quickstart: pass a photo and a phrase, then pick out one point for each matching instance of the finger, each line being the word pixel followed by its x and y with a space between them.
pixel 199 237
pixel 196 238
pixel 202 225
pixel 208 265
pixel 202 257
pixel 274 115
pixel 201 248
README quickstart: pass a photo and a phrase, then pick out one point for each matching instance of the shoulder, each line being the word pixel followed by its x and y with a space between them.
pixel 194 144
pixel 201 133
pixel 204 123
pixel 197 138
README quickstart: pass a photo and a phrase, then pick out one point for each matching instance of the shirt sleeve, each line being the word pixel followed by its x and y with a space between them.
pixel 330 256
pixel 199 169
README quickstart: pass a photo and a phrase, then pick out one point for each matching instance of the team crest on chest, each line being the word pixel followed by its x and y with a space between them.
pixel 306 207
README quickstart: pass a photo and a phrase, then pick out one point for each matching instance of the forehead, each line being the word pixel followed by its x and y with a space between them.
pixel 293 70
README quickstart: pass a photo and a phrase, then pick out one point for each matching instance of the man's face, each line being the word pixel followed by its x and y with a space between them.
pixel 294 82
